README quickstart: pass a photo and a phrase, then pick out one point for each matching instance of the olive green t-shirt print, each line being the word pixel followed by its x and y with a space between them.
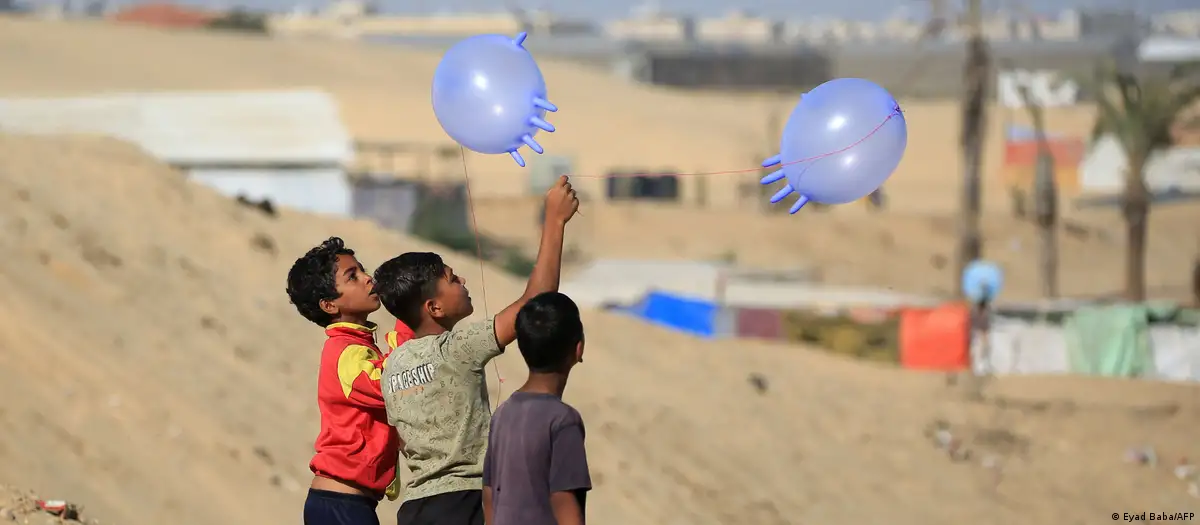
pixel 436 395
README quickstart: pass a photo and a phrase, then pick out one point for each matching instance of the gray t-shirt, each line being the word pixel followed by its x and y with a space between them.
pixel 535 448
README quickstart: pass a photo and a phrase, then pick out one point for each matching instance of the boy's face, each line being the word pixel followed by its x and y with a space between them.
pixel 357 297
pixel 453 301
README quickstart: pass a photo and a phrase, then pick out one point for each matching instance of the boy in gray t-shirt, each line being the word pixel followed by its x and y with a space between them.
pixel 535 471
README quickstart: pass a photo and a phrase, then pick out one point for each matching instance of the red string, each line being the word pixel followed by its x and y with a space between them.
pixel 895 113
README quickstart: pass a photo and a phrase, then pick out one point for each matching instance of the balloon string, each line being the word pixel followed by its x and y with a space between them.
pixel 895 113
pixel 479 255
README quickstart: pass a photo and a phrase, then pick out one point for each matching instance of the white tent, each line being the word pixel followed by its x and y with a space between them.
pixel 1103 166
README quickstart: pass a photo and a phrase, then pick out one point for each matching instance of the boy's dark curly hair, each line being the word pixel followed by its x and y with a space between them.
pixel 311 280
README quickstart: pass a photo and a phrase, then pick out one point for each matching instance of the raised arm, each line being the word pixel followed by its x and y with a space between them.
pixel 561 205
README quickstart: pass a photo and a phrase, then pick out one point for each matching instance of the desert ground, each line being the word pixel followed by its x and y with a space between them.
pixel 173 383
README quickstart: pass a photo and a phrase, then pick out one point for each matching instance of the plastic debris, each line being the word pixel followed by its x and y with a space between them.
pixel 1184 470
pixel 1141 456
pixel 59 508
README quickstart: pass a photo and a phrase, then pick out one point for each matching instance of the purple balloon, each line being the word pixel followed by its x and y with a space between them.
pixel 841 142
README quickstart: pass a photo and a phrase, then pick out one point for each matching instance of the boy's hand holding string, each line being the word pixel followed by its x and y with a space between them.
pixel 561 204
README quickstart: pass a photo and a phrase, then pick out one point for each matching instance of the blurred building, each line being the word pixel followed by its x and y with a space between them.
pixel 1178 23
pixel 739 27
pixel 545 23
pixel 431 211
pixel 649 24
pixel 357 19
pixel 458 25
pixel 931 69
pixel 1066 26
pixel 286 147
pixel 164 15
pixel 1172 170
pixel 725 67
pixel 1109 23
pixel 1169 50
pixel 1019 164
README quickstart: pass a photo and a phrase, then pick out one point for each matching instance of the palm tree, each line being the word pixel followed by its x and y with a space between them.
pixel 1045 197
pixel 1140 114
pixel 974 119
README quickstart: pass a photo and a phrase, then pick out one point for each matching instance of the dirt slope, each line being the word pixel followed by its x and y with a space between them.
pixel 153 371
pixel 905 251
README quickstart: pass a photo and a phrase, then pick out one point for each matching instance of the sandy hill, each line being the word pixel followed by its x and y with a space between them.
pixel 173 382
pixel 605 122
pixel 170 382
pixel 384 91
pixel 904 251
pixel 384 96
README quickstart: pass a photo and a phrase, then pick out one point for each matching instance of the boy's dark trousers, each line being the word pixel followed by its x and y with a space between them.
pixel 464 507
pixel 323 507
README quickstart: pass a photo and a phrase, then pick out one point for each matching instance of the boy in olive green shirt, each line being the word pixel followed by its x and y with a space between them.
pixel 434 384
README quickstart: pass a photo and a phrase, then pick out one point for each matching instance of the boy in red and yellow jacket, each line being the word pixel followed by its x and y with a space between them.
pixel 356 452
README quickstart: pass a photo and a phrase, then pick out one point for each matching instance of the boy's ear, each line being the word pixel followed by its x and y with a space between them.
pixel 579 352
pixel 329 307
pixel 434 309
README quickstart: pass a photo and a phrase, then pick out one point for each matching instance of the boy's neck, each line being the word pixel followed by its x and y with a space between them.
pixel 352 319
pixel 553 383
pixel 430 327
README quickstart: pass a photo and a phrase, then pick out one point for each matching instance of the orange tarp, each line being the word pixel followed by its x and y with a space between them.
pixel 1020 162
pixel 1025 152
pixel 936 338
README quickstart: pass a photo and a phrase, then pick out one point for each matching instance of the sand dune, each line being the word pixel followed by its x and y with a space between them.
pixel 606 123
pixel 904 251
pixel 384 91
pixel 172 383
pixel 152 370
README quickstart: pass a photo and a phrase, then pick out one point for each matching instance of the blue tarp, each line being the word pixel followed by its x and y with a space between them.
pixel 694 316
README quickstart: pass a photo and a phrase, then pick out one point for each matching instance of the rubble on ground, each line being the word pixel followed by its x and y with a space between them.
pixel 26 508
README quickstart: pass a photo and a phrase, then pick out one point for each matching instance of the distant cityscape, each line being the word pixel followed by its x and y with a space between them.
pixel 358 19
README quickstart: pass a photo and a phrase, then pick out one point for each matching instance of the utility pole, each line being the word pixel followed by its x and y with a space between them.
pixel 974 116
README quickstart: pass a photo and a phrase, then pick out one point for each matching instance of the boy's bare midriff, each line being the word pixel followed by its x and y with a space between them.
pixel 342 487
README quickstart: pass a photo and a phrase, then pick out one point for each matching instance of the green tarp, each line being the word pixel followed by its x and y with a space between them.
pixel 1115 340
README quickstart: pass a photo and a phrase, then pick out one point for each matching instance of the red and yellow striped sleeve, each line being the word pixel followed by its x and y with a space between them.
pixel 359 369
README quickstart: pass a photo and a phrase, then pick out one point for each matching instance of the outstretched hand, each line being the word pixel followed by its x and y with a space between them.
pixel 561 201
